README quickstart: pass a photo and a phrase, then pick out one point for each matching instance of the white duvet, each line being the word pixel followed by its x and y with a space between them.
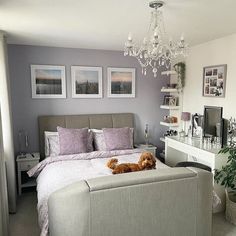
pixel 58 172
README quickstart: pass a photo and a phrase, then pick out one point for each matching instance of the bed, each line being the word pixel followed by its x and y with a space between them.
pixel 73 190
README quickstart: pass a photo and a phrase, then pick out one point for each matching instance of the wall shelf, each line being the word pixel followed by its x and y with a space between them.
pixel 169 90
pixel 169 124
pixel 169 107
pixel 169 72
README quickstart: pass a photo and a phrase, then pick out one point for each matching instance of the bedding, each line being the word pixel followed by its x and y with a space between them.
pixel 54 173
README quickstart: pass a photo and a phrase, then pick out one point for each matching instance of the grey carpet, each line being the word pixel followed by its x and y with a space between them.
pixel 24 222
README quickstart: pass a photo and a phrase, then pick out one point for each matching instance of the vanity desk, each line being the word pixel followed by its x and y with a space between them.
pixel 179 149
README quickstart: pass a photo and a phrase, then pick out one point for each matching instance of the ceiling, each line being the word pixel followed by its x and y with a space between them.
pixel 105 24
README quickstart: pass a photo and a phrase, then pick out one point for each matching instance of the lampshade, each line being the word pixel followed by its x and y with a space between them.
pixel 185 116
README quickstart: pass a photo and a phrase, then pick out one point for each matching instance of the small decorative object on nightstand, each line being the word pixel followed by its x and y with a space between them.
pixel 25 163
pixel 149 148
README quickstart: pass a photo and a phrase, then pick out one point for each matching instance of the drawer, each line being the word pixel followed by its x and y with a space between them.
pixel 28 165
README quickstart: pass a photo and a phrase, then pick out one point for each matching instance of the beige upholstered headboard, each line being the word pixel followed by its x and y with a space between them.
pixel 92 121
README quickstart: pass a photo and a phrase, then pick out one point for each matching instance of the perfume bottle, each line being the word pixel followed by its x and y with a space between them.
pixel 146 135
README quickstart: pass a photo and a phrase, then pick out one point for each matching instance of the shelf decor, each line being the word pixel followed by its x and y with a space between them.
pixel 214 81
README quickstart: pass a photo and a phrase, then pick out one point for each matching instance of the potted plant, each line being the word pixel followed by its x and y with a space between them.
pixel 227 177
pixel 180 69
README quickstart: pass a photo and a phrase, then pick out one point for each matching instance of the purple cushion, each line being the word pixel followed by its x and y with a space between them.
pixel 117 138
pixel 72 141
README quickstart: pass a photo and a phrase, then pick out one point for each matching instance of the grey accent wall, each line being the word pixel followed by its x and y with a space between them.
pixel 145 106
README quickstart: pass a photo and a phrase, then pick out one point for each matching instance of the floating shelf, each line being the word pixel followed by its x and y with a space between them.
pixel 162 139
pixel 169 90
pixel 169 72
pixel 169 107
pixel 169 124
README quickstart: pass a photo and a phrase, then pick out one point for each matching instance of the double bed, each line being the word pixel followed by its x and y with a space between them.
pixel 74 189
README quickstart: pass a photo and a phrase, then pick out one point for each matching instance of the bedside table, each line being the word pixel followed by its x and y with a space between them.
pixel 149 148
pixel 25 163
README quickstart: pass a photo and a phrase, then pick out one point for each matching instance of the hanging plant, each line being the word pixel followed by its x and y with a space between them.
pixel 180 69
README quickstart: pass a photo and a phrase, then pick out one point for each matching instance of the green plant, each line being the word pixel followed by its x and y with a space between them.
pixel 227 175
pixel 180 69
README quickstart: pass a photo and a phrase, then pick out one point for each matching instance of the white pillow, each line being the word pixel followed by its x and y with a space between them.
pixel 52 147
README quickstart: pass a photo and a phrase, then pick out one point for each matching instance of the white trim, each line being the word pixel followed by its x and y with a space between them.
pixel 48 67
pixel 109 71
pixel 86 68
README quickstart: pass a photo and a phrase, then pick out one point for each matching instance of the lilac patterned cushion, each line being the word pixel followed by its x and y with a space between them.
pixel 52 147
pixel 117 138
pixel 72 141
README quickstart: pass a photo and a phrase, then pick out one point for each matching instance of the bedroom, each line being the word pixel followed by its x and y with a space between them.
pixel 87 34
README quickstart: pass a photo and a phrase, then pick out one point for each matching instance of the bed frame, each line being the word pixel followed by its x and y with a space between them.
pixel 92 121
pixel 170 201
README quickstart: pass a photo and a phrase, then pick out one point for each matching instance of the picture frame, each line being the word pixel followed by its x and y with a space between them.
pixel 120 82
pixel 86 82
pixel 48 81
pixel 170 100
pixel 214 81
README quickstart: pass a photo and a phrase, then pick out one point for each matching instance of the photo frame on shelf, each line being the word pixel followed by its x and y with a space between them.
pixel 170 100
pixel 121 82
pixel 48 81
pixel 86 82
pixel 214 81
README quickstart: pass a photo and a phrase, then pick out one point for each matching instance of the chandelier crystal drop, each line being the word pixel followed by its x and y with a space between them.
pixel 157 49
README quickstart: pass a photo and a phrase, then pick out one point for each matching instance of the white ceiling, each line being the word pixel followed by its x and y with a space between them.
pixel 104 24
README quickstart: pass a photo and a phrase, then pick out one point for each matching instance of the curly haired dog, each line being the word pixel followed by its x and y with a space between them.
pixel 146 162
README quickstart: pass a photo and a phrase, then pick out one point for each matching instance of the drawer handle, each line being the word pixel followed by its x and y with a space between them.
pixel 29 166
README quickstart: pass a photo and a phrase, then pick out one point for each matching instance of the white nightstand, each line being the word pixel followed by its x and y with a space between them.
pixel 25 163
pixel 149 148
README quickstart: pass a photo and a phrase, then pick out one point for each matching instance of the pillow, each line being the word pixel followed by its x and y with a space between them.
pixel 52 147
pixel 99 141
pixel 72 141
pixel 117 138
pixel 51 143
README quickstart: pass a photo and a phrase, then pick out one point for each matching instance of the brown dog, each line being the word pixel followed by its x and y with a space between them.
pixel 146 162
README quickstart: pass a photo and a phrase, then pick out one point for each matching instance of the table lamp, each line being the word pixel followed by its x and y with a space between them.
pixel 185 117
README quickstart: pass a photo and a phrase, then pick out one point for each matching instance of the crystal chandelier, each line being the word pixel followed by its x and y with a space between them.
pixel 156 50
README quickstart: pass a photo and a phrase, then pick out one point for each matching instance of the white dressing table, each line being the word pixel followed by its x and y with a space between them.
pixel 178 149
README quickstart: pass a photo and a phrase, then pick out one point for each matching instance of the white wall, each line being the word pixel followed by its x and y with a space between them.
pixel 216 52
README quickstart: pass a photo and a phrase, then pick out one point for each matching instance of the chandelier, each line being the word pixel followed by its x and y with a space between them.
pixel 156 50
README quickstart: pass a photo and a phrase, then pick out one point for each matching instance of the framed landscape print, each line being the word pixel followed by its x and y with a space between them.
pixel 121 82
pixel 86 82
pixel 48 81
pixel 214 81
